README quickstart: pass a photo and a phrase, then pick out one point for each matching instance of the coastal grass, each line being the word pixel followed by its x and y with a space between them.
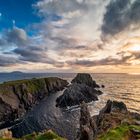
pixel 32 85
pixel 48 135
pixel 122 132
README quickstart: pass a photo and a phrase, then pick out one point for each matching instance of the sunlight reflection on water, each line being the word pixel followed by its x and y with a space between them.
pixel 120 87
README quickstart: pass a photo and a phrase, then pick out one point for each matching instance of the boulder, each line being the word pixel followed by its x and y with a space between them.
pixel 114 106
pixel 5 134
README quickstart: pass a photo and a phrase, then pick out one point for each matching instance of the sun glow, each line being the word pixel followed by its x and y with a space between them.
pixel 135 48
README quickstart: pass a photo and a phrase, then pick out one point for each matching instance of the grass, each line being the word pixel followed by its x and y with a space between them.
pixel 48 135
pixel 32 85
pixel 122 132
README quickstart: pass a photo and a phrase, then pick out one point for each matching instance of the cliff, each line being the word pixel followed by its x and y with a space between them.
pixel 114 122
pixel 17 97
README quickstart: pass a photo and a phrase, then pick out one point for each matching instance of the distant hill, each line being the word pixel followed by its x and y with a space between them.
pixel 18 75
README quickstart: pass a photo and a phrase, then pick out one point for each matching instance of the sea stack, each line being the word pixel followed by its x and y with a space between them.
pixel 82 88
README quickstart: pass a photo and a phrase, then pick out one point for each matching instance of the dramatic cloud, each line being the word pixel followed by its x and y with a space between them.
pixel 106 61
pixel 8 61
pixel 72 19
pixel 121 14
pixel 33 54
pixel 75 33
pixel 17 36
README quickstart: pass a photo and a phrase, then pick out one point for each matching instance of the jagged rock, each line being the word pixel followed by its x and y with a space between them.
pixel 87 125
pixel 85 78
pixel 17 97
pixel 113 106
pixel 83 88
pixel 76 93
pixel 114 120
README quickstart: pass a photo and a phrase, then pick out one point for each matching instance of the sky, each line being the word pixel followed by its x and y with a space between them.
pixel 96 36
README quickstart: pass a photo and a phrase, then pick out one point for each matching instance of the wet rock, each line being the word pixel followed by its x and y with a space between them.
pixel 76 93
pixel 83 88
pixel 113 106
pixel 85 78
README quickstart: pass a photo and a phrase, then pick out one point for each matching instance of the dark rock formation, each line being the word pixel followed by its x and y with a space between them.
pixel 112 120
pixel 76 93
pixel 113 106
pixel 85 78
pixel 83 88
pixel 103 86
pixel 17 97
pixel 87 126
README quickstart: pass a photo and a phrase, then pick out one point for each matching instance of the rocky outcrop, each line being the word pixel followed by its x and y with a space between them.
pixel 85 78
pixel 113 121
pixel 114 106
pixel 17 97
pixel 87 126
pixel 83 88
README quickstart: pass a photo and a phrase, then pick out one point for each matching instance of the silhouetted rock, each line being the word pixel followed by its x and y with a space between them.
pixel 85 78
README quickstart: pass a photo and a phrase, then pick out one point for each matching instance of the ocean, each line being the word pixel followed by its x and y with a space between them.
pixel 45 115
pixel 120 87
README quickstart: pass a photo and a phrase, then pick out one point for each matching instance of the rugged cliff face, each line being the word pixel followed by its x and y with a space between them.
pixel 114 122
pixel 17 97
pixel 83 88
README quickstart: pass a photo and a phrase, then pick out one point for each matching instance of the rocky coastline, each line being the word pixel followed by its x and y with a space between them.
pixel 114 121
pixel 82 88
pixel 18 97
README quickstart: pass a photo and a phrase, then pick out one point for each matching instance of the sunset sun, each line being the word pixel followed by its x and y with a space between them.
pixel 135 48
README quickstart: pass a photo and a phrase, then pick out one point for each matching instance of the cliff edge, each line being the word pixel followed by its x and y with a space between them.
pixel 17 97
pixel 114 122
